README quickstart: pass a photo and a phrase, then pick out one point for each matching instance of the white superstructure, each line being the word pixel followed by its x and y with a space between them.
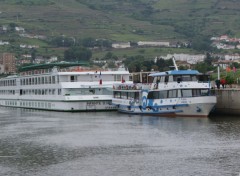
pixel 61 90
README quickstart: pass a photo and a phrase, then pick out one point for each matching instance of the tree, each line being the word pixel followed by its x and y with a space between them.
pixel 110 56
pixel 76 54
pixel 201 43
pixel 201 67
pixel 230 78
pixel 88 42
pixel 236 65
pixel 132 67
pixel 205 66
pixel 160 63
pixel 111 64
pixel 12 26
pixel 154 68
pixel 103 43
pixel 181 67
pixel 33 54
pixel 62 41
pixel 208 59
pixel 138 63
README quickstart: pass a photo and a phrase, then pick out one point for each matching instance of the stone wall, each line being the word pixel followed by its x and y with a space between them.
pixel 228 101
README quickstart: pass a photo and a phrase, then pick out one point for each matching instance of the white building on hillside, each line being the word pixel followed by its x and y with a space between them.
pixel 3 43
pixel 146 43
pixel 53 59
pixel 191 59
pixel 121 45
pixel 19 29
pixel 232 57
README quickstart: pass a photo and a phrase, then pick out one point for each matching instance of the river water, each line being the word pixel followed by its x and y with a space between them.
pixel 42 143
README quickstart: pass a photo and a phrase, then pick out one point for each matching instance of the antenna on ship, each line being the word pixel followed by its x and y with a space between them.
pixel 174 63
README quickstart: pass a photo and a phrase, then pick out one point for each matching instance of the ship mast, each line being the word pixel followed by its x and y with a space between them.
pixel 174 63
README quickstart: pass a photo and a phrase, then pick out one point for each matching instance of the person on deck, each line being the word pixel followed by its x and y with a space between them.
pixel 223 82
pixel 217 83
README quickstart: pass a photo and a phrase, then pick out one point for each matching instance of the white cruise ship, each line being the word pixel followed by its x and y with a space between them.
pixel 62 90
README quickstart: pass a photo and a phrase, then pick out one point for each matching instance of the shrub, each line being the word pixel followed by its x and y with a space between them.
pixel 229 79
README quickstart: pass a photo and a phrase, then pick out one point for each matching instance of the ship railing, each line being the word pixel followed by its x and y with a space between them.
pixel 136 86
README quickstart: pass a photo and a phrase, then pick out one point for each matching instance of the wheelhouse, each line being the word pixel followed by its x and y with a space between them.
pixel 179 76
pixel 178 93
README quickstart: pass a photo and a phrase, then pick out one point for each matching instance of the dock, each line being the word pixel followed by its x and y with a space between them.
pixel 228 101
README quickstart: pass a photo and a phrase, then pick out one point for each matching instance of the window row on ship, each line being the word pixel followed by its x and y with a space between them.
pixel 7 92
pixel 183 93
pixel 31 81
pixel 40 91
pixel 180 78
pixel 32 92
pixel 39 80
pixel 82 91
pixel 11 82
pixel 32 104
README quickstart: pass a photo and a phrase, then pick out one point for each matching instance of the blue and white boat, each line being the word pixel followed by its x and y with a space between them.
pixel 175 92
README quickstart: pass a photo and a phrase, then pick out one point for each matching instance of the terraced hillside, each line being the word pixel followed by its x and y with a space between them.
pixel 124 20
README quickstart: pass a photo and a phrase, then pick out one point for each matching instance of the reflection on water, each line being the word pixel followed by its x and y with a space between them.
pixel 43 143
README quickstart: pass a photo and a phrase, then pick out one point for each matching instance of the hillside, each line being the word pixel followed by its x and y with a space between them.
pixel 124 20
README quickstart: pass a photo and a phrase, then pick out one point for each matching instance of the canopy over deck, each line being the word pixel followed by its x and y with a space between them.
pixel 51 65
pixel 176 72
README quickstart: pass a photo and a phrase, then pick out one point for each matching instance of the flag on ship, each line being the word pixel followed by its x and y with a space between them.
pixel 100 76
pixel 123 80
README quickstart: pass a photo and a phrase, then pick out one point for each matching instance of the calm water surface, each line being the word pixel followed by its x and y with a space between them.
pixel 40 143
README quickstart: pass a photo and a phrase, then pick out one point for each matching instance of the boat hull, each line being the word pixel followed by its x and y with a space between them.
pixel 190 107
pixel 69 106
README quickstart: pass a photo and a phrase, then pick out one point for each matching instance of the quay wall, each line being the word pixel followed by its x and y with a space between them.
pixel 228 101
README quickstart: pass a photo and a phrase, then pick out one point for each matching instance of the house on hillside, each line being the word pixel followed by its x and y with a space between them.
pixel 191 59
pixel 28 46
pixel 23 61
pixel 39 60
pixel 230 47
pixel 152 43
pixel 215 38
pixel 223 63
pixel 27 56
pixel 184 64
pixel 232 57
pixel 53 59
pixel 3 29
pixel 3 43
pixel 19 29
pixel 121 45
pixel 224 38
